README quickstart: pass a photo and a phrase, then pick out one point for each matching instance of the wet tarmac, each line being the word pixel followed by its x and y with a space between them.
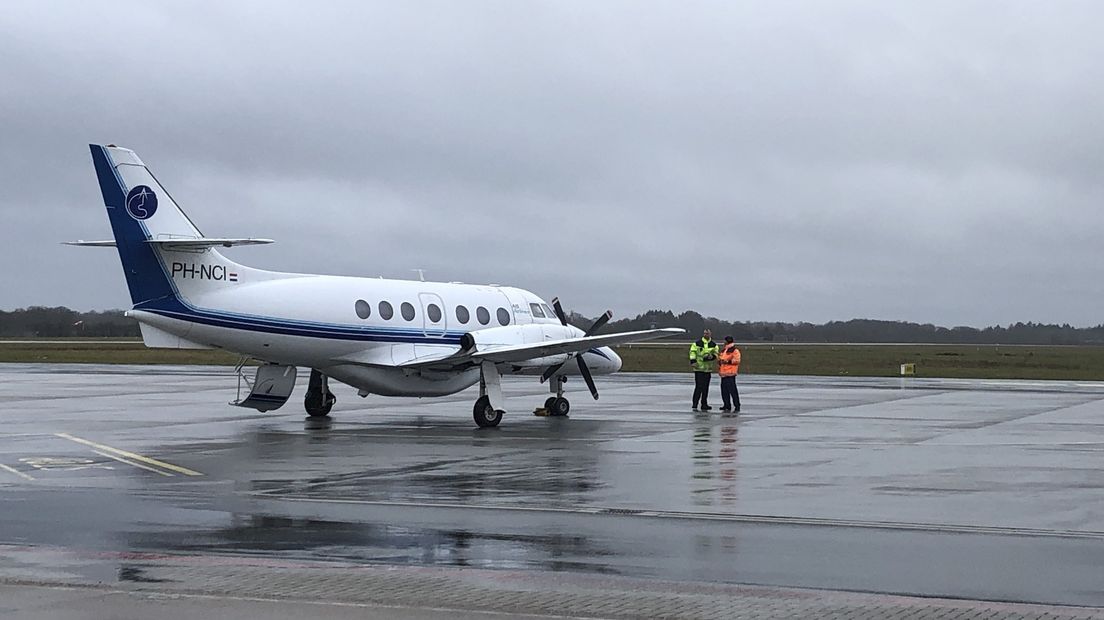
pixel 985 490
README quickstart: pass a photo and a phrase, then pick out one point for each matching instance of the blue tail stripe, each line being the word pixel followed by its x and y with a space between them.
pixel 144 275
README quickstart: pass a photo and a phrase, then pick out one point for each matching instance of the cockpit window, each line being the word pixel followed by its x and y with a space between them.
pixel 548 311
pixel 537 311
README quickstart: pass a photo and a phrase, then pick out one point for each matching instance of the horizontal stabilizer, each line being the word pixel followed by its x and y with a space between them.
pixel 180 244
pixel 206 242
pixel 90 244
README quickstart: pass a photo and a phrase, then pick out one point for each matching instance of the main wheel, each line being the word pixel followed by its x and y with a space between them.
pixel 485 415
pixel 548 403
pixel 320 406
pixel 560 407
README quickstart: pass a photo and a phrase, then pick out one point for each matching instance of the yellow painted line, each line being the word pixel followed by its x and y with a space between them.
pixel 138 465
pixel 130 455
pixel 15 471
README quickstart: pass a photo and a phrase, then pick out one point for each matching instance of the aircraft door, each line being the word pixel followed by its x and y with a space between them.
pixel 518 305
pixel 434 314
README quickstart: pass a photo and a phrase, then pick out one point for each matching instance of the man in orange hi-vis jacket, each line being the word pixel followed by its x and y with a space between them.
pixel 730 367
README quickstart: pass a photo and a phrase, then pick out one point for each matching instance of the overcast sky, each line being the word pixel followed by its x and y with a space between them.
pixel 800 161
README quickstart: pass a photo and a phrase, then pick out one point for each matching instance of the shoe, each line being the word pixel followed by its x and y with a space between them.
pixel 694 409
pixel 726 409
pixel 706 408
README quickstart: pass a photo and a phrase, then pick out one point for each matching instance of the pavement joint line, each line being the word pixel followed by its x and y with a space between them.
pixel 132 463
pixel 706 516
pixel 130 455
pixel 16 472
pixel 760 600
pixel 103 589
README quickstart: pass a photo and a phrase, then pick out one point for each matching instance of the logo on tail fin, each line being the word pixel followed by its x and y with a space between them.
pixel 141 202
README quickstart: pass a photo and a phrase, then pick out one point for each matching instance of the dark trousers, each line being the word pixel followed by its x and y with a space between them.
pixel 729 394
pixel 701 388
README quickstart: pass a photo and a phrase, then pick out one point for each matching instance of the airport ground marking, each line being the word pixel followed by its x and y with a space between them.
pixel 133 464
pixel 16 472
pixel 131 455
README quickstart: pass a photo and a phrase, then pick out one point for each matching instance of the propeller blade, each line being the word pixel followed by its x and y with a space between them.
pixel 586 377
pixel 546 375
pixel 559 310
pixel 602 320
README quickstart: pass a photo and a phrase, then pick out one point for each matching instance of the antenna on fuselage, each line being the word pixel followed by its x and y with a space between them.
pixel 421 274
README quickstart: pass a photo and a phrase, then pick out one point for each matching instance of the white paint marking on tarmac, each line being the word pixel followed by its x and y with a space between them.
pixel 131 455
pixel 138 465
pixel 15 471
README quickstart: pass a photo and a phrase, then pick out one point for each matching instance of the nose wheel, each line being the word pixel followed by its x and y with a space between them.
pixel 557 406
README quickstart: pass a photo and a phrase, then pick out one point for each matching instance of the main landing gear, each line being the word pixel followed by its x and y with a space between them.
pixel 488 408
pixel 319 399
pixel 485 414
pixel 557 405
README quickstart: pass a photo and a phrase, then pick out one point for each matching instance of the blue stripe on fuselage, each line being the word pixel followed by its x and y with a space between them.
pixel 173 308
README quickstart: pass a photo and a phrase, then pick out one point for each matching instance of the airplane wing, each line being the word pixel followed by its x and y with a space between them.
pixel 522 352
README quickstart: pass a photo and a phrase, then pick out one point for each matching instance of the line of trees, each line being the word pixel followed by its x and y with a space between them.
pixel 859 330
pixel 59 322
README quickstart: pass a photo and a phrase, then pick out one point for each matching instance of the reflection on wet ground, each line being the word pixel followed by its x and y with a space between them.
pixel 951 488
pixel 715 471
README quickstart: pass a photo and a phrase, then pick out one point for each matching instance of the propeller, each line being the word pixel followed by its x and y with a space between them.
pixel 583 369
pixel 559 311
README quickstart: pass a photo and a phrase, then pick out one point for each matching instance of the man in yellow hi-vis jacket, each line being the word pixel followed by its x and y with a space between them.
pixel 703 360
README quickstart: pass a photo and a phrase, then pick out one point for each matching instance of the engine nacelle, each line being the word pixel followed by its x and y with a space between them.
pixel 516 334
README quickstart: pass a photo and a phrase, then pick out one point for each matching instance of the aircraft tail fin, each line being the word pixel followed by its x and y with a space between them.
pixel 153 235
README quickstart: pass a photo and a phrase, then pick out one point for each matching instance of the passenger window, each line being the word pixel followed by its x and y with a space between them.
pixel 483 316
pixel 407 311
pixel 434 313
pixel 386 311
pixel 503 316
pixel 363 310
pixel 537 312
pixel 462 315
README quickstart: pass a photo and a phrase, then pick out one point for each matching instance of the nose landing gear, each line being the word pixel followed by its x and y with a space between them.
pixel 319 399
pixel 557 405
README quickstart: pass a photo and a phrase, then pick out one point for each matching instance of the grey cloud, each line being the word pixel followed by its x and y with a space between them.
pixel 790 161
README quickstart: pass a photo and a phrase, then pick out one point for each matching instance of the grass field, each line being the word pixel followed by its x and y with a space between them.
pixel 963 361
pixel 106 351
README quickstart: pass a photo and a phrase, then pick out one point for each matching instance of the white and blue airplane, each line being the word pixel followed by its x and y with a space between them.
pixel 385 337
